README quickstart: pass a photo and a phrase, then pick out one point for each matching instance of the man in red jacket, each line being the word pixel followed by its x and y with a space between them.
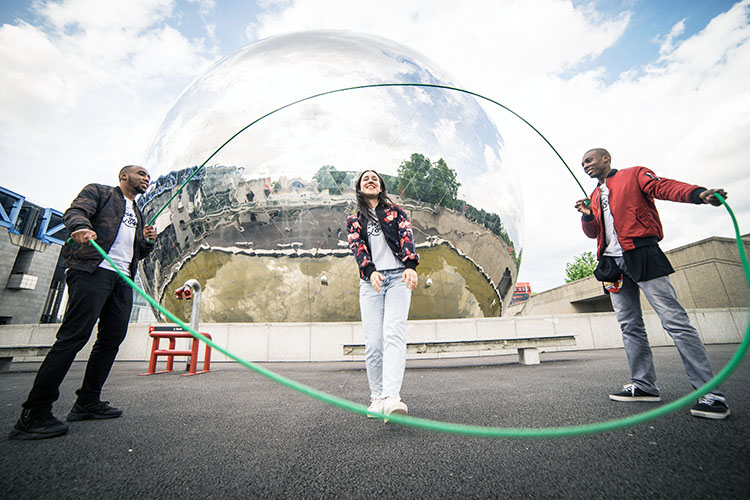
pixel 621 215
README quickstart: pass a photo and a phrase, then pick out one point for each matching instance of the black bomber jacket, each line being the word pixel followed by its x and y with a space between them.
pixel 100 208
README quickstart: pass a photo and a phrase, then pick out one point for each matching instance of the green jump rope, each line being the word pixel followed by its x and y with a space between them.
pixel 434 425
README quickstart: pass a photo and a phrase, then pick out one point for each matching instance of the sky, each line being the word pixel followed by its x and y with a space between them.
pixel 662 84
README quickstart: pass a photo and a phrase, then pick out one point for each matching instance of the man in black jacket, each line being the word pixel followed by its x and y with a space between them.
pixel 95 292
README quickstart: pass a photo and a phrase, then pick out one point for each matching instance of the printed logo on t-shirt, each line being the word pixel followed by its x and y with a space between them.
pixel 373 229
pixel 129 219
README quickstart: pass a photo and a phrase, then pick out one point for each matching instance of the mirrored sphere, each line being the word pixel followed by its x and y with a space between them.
pixel 261 224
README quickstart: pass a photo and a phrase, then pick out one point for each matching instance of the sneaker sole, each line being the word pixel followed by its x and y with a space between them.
pixel 15 434
pixel 396 412
pixel 711 415
pixel 77 417
pixel 648 399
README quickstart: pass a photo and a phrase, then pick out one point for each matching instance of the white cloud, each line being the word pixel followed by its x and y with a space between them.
pixel 29 89
pixel 85 47
pixel 83 90
pixel 97 16
pixel 205 7
pixel 667 45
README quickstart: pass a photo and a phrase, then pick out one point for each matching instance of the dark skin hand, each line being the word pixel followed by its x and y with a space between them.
pixel 584 206
pixel 708 196
pixel 150 233
pixel 83 236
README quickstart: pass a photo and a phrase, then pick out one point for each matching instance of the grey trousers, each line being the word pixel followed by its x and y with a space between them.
pixel 662 296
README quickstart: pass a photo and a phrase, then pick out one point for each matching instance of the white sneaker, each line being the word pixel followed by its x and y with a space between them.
pixel 376 406
pixel 393 404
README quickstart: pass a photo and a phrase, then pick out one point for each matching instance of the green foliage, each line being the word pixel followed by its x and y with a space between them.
pixel 391 183
pixel 323 177
pixel 518 261
pixel 331 179
pixel 581 267
pixel 435 183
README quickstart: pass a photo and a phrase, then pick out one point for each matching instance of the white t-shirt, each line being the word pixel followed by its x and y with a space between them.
pixel 382 255
pixel 613 248
pixel 121 252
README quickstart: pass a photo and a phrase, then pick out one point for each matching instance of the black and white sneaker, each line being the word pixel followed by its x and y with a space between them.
pixel 38 424
pixel 711 406
pixel 632 393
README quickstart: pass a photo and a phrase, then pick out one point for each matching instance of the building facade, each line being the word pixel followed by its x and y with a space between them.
pixel 32 278
pixel 708 275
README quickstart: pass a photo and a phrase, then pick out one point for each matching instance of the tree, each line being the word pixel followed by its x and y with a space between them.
pixel 581 267
pixel 324 178
pixel 412 177
pixel 443 186
pixel 331 179
pixel 434 183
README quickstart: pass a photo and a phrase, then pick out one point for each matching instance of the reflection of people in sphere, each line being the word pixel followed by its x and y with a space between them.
pixel 621 215
pixel 381 239
pixel 96 292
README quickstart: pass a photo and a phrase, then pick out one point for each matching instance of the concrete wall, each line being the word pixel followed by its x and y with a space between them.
pixel 323 341
pixel 26 306
pixel 708 274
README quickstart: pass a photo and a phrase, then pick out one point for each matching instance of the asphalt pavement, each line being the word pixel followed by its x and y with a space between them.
pixel 232 433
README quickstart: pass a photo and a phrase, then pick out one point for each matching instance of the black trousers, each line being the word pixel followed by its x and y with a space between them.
pixel 101 295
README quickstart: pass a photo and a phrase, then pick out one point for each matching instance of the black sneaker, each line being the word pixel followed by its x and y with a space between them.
pixel 711 406
pixel 37 424
pixel 93 411
pixel 631 393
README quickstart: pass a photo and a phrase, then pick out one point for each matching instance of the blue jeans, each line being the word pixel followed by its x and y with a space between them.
pixel 661 295
pixel 384 322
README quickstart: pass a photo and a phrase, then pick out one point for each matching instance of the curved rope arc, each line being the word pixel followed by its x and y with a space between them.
pixel 359 87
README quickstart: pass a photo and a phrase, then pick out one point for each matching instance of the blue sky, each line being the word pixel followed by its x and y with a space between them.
pixel 660 83
pixel 650 21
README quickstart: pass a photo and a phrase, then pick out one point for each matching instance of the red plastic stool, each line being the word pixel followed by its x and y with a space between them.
pixel 172 333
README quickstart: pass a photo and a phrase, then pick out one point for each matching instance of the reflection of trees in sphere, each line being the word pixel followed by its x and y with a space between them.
pixel 263 225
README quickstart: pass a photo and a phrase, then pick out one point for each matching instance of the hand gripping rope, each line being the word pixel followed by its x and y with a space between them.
pixel 447 427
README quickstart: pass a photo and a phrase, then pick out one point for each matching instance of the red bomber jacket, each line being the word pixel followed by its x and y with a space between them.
pixel 631 200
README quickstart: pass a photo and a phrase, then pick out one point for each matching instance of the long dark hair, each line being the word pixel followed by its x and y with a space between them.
pixel 362 204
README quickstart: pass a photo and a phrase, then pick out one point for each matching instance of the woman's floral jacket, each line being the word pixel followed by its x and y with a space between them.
pixel 398 234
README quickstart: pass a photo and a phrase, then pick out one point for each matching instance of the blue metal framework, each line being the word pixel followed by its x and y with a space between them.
pixel 50 228
pixel 9 220
pixel 57 233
